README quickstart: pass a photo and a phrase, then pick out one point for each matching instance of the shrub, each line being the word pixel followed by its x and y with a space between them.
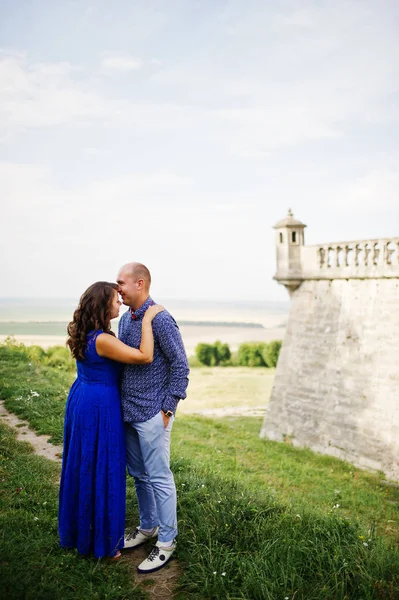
pixel 213 355
pixel 222 353
pixel 258 354
pixel 250 355
pixel 243 355
pixel 271 352
pixel 205 354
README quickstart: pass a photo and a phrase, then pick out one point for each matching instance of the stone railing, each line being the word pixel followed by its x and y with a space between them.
pixel 361 259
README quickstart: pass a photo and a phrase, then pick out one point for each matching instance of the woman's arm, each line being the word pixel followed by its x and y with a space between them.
pixel 109 346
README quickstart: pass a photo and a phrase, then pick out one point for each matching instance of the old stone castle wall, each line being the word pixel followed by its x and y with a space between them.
pixel 337 382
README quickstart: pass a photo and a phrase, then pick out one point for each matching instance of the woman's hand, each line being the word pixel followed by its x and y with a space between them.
pixel 152 312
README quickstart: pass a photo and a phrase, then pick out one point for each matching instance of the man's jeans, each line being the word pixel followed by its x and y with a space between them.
pixel 148 454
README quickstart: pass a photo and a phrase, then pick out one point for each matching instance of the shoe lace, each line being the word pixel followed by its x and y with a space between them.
pixel 153 554
pixel 133 535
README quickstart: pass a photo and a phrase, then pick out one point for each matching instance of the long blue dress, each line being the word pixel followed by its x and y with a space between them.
pixel 93 478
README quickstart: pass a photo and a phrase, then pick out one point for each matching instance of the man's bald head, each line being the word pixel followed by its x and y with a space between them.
pixel 134 280
pixel 138 271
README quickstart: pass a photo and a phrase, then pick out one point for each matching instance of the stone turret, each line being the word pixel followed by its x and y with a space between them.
pixel 290 240
pixel 336 388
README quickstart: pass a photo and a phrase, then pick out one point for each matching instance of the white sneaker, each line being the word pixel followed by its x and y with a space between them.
pixel 137 537
pixel 158 558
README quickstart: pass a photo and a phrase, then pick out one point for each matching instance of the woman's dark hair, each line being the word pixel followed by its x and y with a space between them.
pixel 93 313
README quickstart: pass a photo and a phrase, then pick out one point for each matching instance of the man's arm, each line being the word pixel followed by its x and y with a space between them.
pixel 167 334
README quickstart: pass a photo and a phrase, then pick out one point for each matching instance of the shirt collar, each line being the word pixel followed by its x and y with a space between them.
pixel 138 314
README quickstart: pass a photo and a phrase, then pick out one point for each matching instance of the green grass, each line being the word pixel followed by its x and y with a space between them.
pixel 231 447
pixel 277 520
pixel 242 545
pixel 233 387
pixel 35 390
pixel 32 564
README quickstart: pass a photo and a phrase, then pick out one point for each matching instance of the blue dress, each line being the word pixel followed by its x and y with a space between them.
pixel 93 478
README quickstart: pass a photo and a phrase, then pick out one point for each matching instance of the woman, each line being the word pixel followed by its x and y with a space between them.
pixel 93 479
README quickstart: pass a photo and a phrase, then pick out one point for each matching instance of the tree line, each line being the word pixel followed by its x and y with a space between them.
pixel 249 354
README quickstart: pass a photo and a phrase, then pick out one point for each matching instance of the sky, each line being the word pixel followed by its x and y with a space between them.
pixel 177 132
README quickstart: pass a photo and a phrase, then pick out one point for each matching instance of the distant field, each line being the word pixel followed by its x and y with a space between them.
pixel 214 390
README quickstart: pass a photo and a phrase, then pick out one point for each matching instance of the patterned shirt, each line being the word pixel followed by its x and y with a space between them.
pixel 146 389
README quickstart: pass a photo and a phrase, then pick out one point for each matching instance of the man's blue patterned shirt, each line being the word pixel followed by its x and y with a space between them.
pixel 146 389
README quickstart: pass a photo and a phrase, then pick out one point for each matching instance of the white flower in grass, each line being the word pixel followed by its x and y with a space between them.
pixel 365 544
pixel 203 485
pixel 336 506
pixel 223 574
pixel 35 518
pixel 214 572
pixel 34 394
pixel 183 484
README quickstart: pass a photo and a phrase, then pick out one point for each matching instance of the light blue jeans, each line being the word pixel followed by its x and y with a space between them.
pixel 148 457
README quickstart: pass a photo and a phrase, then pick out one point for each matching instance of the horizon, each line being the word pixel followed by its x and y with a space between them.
pixel 260 302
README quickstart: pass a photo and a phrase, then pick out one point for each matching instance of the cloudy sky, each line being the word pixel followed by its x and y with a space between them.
pixel 177 132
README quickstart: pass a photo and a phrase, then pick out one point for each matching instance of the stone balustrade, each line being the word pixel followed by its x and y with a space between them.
pixel 351 260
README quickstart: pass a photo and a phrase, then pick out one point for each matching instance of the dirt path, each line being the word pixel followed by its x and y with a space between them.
pixel 159 585
pixel 26 434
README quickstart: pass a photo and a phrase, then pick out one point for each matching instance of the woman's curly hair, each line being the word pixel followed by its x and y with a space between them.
pixel 93 313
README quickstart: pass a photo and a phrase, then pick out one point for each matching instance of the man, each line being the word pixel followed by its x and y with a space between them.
pixel 150 395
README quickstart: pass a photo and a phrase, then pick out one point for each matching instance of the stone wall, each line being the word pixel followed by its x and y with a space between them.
pixel 337 381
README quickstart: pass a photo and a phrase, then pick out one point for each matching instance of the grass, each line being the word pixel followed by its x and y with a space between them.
pixel 34 390
pixel 278 521
pixel 239 545
pixel 235 387
pixel 32 564
pixel 231 447
pixel 234 544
